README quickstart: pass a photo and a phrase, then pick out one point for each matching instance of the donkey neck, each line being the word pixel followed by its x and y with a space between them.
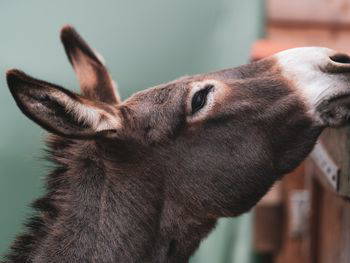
pixel 112 213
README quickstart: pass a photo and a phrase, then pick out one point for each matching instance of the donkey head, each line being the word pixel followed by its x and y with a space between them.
pixel 217 141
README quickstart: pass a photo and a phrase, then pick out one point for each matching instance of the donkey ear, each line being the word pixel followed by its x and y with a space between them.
pixel 95 81
pixel 59 110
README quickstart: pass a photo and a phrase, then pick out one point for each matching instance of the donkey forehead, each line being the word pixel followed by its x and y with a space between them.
pixel 301 66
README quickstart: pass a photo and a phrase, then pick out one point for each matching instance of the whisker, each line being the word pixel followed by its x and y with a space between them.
pixel 318 98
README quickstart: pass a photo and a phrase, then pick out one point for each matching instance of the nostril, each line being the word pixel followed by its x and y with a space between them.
pixel 341 58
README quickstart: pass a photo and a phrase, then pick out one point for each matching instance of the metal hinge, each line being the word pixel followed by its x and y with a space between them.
pixel 325 163
pixel 299 213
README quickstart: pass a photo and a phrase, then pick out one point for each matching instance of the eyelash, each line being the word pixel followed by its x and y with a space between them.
pixel 199 99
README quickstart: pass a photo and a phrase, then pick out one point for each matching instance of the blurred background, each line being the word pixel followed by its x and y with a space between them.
pixel 144 43
pixel 303 218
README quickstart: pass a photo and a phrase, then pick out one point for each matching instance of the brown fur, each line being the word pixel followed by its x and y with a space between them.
pixel 152 189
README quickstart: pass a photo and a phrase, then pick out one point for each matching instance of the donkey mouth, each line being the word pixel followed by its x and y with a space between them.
pixel 335 111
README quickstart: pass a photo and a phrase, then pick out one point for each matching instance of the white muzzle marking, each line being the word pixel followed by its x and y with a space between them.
pixel 306 69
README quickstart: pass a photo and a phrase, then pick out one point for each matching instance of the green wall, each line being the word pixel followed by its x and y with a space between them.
pixel 144 43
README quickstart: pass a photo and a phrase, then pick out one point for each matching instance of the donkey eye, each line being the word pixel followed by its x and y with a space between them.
pixel 200 98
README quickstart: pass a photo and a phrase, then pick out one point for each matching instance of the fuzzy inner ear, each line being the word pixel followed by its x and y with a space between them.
pixel 95 81
pixel 59 110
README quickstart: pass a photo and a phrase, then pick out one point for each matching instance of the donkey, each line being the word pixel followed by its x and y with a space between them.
pixel 146 179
